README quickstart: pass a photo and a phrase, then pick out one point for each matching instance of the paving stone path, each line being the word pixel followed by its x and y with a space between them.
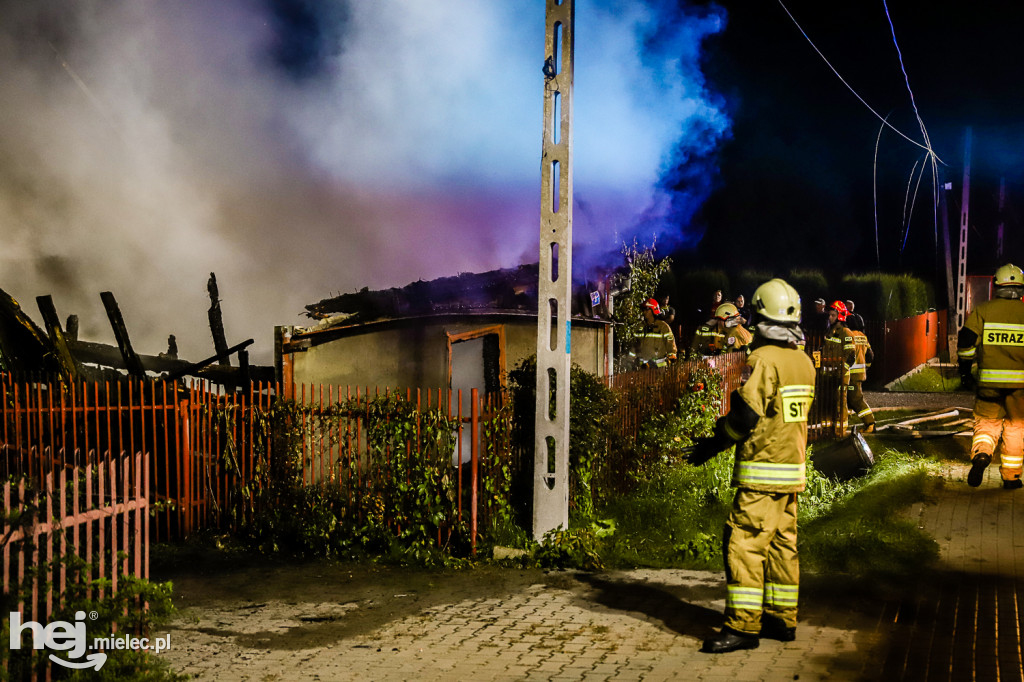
pixel 324 622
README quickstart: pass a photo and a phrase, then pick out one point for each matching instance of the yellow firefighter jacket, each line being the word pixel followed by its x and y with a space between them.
pixel 839 344
pixel 998 326
pixel 656 344
pixel 780 390
pixel 864 356
pixel 716 337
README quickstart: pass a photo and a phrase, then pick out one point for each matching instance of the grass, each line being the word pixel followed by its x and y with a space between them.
pixel 929 380
pixel 862 532
pixel 675 519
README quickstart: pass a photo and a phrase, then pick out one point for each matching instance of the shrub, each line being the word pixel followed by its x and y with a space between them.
pixel 810 284
pixel 695 288
pixel 747 281
pixel 590 429
pixel 881 296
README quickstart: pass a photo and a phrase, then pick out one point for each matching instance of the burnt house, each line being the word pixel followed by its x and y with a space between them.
pixel 458 332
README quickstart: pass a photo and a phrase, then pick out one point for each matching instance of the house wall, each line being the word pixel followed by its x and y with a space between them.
pixel 414 353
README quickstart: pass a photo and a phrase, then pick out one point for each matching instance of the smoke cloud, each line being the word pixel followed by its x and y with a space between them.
pixel 300 149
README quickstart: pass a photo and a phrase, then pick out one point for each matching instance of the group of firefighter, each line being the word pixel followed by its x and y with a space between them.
pixel 767 423
pixel 728 330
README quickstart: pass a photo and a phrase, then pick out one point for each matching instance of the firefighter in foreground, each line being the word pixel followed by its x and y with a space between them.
pixel 655 344
pixel 768 422
pixel 722 333
pixel 993 336
pixel 859 373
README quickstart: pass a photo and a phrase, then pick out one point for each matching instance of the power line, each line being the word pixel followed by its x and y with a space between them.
pixel 848 86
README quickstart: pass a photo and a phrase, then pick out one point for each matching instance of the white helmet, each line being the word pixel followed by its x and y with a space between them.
pixel 777 301
pixel 1009 275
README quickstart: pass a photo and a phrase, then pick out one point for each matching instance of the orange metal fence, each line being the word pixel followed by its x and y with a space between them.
pixel 210 451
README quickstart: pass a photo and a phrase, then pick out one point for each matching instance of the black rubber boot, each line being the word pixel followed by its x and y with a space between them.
pixel 1013 484
pixel 978 465
pixel 729 640
pixel 773 627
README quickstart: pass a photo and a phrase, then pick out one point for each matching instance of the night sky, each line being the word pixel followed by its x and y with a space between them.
pixel 796 177
pixel 306 148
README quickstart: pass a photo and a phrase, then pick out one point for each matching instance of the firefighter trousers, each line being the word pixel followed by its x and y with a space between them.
pixel 855 401
pixel 762 572
pixel 999 415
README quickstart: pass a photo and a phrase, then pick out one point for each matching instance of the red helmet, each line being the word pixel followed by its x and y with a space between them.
pixel 653 305
pixel 840 309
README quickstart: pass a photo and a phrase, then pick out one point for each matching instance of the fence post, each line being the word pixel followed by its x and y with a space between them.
pixel 474 458
pixel 185 445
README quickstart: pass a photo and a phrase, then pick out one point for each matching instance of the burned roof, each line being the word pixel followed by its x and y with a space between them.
pixel 509 289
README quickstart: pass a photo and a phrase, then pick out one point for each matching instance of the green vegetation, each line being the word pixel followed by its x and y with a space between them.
pixel 862 533
pixel 929 380
pixel 694 288
pixel 845 527
pixel 136 609
pixel 643 273
pixel 590 431
pixel 881 296
pixel 690 505
pixel 400 513
pixel 810 284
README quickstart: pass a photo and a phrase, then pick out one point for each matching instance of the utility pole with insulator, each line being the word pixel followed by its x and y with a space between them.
pixel 554 288
pixel 961 271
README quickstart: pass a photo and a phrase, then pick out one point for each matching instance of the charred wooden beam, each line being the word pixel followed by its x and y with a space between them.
pixel 124 343
pixel 69 367
pixel 220 344
pixel 106 355
pixel 71 328
pixel 24 347
pixel 195 367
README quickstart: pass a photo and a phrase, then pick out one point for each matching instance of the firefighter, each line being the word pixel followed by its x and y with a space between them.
pixel 768 422
pixel 839 345
pixel 655 345
pixel 993 336
pixel 723 332
pixel 859 374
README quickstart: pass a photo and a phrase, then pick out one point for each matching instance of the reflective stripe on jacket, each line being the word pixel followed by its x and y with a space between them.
pixel 999 345
pixel 780 390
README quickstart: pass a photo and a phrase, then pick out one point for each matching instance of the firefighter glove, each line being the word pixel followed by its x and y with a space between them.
pixel 706 448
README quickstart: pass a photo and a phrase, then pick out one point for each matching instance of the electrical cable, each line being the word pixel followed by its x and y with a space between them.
pixel 849 87
pixel 874 188
pixel 913 201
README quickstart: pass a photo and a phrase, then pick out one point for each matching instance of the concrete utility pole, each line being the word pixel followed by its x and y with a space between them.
pixel 554 288
pixel 950 279
pixel 961 272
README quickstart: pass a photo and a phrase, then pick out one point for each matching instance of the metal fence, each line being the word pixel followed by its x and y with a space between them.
pixel 210 452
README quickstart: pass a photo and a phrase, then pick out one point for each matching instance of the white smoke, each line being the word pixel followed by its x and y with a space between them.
pixel 145 144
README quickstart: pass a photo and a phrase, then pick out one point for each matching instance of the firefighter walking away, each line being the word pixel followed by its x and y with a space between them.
pixel 993 337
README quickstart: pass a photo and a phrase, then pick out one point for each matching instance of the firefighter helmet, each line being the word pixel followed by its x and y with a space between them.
pixel 726 311
pixel 777 301
pixel 840 309
pixel 653 306
pixel 1009 275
